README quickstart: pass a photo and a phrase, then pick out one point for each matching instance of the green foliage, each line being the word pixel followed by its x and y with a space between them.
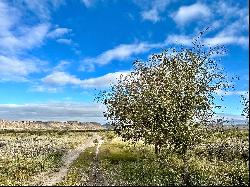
pixel 117 153
pixel 110 135
pixel 168 100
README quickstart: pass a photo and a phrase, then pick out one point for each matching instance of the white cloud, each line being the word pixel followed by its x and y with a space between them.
pixel 151 15
pixel 8 17
pixel 88 3
pixel 121 52
pixel 58 32
pixel 34 37
pixel 58 111
pixel 233 31
pixel 42 9
pixel 231 19
pixel 226 19
pixel 236 92
pixel 87 66
pixel 155 9
pixel 61 79
pixel 211 41
pixel 186 14
pixel 62 65
pixel 15 36
pixel 226 40
pixel 229 9
pixel 12 68
pixel 64 41
pixel 179 39
pixel 45 88
pixel 103 81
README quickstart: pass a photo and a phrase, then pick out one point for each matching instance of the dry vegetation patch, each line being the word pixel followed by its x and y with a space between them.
pixel 23 156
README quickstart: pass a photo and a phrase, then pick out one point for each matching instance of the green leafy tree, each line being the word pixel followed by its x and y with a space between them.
pixel 168 100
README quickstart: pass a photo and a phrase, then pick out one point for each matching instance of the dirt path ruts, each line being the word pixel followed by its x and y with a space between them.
pixel 96 177
pixel 57 177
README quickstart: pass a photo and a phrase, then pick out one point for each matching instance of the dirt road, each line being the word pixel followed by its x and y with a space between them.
pixel 96 177
pixel 57 177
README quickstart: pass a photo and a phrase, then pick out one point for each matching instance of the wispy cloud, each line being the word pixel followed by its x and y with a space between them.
pixel 103 81
pixel 42 9
pixel 44 88
pixel 179 39
pixel 88 3
pixel 8 17
pixel 59 79
pixel 62 65
pixel 153 11
pixel 28 38
pixel 228 22
pixel 186 14
pixel 229 10
pixel 151 15
pixel 15 69
pixel 120 52
pixel 59 35
pixel 18 38
pixel 218 39
pixel 64 41
pixel 235 92
pixel 14 35
pixel 230 35
pixel 59 111
pixel 231 19
pixel 58 32
pixel 226 40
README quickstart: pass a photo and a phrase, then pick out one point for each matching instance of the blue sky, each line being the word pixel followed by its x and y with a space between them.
pixel 55 55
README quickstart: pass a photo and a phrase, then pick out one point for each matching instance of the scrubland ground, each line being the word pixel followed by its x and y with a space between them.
pixel 222 160
pixel 25 157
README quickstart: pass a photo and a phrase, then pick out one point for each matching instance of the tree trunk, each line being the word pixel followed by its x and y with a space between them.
pixel 156 149
pixel 186 177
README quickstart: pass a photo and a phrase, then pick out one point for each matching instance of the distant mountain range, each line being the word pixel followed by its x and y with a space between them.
pixel 107 126
pixel 23 125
